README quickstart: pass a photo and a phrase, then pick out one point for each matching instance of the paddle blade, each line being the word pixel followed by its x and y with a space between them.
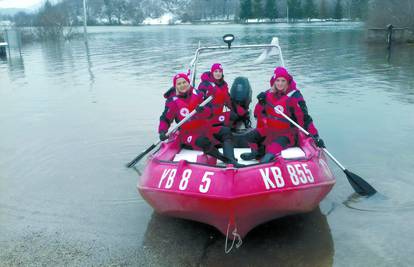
pixel 360 185
pixel 140 156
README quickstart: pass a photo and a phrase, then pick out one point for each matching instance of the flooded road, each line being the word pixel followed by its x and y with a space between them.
pixel 71 117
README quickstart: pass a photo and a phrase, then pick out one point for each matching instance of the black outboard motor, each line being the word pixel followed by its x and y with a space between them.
pixel 241 92
pixel 241 95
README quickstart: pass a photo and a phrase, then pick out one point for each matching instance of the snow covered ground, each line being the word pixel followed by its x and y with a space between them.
pixel 167 18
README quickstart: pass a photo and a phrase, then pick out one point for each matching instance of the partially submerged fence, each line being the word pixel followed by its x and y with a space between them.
pixel 10 39
pixel 389 34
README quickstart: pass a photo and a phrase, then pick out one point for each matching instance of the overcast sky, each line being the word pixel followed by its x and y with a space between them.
pixel 18 3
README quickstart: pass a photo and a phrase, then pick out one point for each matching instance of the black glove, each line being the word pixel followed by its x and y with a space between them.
pixel 247 123
pixel 262 98
pixel 319 142
pixel 200 109
pixel 163 136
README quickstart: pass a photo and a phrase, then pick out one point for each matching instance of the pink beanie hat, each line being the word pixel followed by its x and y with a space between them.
pixel 280 72
pixel 216 66
pixel 180 75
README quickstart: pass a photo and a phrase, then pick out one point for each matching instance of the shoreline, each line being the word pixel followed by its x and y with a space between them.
pixel 30 34
pixel 233 22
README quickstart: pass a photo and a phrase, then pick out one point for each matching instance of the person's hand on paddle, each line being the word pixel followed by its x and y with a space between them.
pixel 318 141
pixel 163 136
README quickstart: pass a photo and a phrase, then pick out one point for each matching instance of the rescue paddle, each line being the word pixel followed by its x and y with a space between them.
pixel 172 130
pixel 360 185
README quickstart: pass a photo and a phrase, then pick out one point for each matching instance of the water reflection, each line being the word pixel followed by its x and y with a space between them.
pixel 392 70
pixel 300 240
pixel 16 68
pixel 90 66
pixel 53 55
pixel 90 72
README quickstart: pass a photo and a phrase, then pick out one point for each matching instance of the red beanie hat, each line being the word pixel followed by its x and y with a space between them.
pixel 180 75
pixel 280 72
pixel 216 66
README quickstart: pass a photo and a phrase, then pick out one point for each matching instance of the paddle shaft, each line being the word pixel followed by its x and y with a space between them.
pixel 308 134
pixel 358 184
pixel 172 130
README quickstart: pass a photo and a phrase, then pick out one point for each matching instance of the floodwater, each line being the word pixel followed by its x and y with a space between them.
pixel 71 117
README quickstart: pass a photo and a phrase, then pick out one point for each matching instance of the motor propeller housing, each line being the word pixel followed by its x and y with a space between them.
pixel 241 92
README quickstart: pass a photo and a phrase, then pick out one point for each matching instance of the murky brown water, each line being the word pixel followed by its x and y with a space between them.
pixel 71 118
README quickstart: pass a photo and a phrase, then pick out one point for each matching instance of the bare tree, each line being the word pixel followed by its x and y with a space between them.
pixel 54 22
pixel 134 12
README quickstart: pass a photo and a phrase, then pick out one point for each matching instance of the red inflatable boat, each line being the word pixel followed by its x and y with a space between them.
pixel 191 185
pixel 188 184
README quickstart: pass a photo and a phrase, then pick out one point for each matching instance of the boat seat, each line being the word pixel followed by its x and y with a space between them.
pixel 194 156
pixel 189 155
pixel 293 153
pixel 290 153
pixel 197 156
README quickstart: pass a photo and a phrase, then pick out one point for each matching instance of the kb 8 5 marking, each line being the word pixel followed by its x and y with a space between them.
pixel 168 177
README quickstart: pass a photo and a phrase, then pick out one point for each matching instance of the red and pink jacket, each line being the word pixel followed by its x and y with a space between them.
pixel 291 103
pixel 220 91
pixel 177 106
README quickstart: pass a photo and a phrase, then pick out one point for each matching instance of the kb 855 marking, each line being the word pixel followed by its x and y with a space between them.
pixel 298 173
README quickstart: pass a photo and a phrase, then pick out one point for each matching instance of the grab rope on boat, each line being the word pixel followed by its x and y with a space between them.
pixel 236 236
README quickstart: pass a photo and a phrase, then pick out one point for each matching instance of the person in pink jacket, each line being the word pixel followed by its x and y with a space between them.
pixel 273 132
pixel 213 83
pixel 181 99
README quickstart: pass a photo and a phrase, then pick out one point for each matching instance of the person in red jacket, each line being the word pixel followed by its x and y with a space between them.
pixel 273 132
pixel 224 111
pixel 181 99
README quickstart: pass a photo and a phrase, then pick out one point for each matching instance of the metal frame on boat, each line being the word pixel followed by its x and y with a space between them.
pixel 194 61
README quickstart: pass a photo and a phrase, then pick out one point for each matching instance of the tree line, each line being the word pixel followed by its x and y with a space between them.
pixel 303 9
pixel 133 12
pixel 58 20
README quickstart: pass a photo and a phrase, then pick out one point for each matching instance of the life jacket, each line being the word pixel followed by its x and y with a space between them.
pixel 274 120
pixel 261 119
pixel 187 104
pixel 219 92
